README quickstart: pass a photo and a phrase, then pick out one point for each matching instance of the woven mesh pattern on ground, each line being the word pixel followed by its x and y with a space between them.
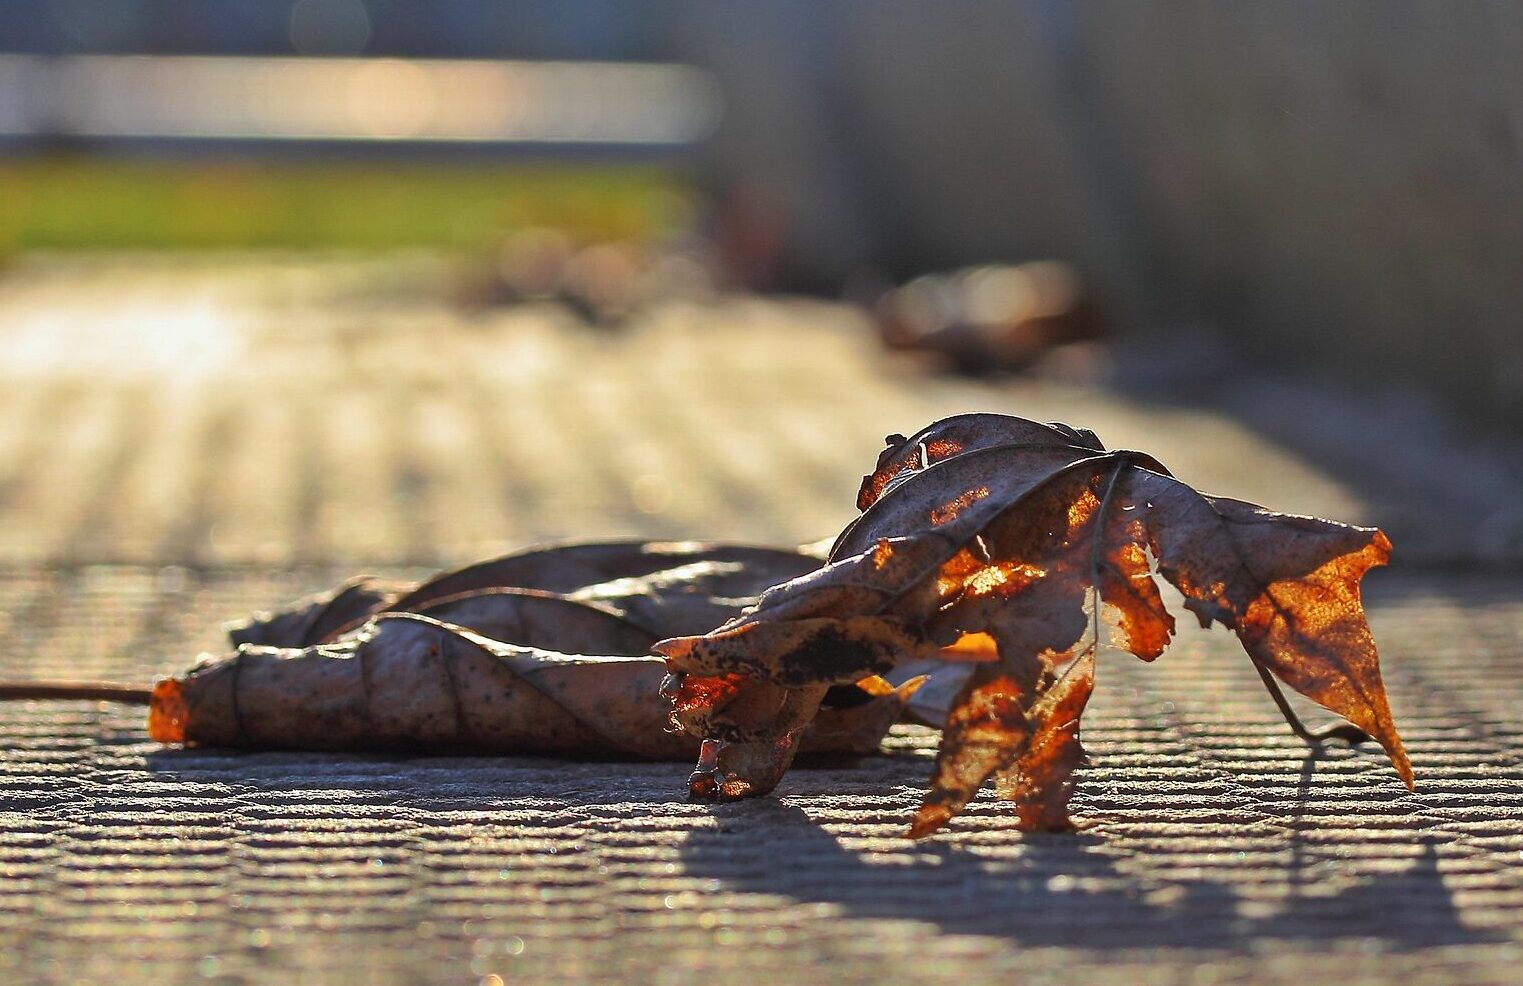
pixel 182 444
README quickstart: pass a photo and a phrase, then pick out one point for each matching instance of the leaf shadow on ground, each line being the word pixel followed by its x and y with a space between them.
pixel 1079 889
pixel 431 783
pixel 1089 889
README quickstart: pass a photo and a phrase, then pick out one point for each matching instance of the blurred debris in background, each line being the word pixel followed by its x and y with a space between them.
pixel 602 281
pixel 989 319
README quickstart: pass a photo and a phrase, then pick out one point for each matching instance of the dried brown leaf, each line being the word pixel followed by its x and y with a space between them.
pixel 988 527
pixel 493 668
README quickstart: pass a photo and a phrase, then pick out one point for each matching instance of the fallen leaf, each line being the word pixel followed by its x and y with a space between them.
pixel 541 652
pixel 989 318
pixel 987 527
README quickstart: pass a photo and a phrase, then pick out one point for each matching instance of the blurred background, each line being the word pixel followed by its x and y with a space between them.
pixel 1301 218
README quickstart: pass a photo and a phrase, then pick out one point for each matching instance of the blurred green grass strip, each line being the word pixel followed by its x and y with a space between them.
pixel 74 202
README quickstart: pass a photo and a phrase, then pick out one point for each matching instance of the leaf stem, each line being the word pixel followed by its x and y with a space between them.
pixel 1094 573
pixel 1339 730
pixel 1097 540
pixel 87 691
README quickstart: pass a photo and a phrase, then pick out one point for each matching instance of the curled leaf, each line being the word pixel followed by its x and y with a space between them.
pixel 559 666
pixel 989 528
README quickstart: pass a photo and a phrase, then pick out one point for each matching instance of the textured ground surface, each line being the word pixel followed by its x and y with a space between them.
pixel 181 443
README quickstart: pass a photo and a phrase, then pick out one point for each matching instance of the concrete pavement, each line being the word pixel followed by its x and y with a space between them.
pixel 183 441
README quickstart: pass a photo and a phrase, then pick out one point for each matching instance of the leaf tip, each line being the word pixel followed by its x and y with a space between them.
pixel 673 647
pixel 1403 766
pixel 1382 545
pixel 928 818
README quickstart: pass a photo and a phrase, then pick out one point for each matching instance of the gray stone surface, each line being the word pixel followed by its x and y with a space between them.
pixel 181 443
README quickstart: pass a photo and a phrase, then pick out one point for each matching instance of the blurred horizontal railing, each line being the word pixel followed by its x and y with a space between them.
pixel 354 100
